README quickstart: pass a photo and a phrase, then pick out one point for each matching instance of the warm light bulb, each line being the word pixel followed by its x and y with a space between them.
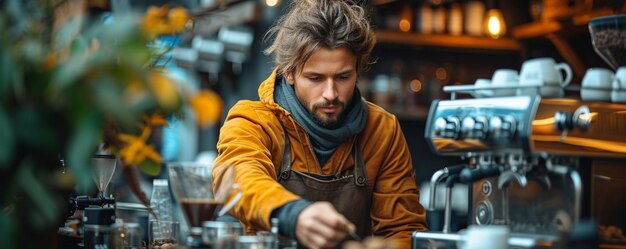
pixel 416 85
pixel 406 18
pixel 405 25
pixel 271 3
pixel 494 23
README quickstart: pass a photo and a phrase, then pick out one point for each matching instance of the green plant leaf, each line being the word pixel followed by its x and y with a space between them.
pixel 150 167
pixel 33 51
pixel 67 32
pixel 38 193
pixel 7 226
pixel 67 74
pixel 7 139
pixel 81 146
pixel 10 75
pixel 73 69
pixel 79 46
pixel 108 97
pixel 37 128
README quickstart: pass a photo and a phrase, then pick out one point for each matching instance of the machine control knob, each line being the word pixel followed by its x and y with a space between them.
pixel 474 127
pixel 484 213
pixel 486 188
pixel 448 127
pixel 502 127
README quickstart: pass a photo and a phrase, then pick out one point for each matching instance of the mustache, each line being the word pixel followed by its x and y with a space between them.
pixel 334 102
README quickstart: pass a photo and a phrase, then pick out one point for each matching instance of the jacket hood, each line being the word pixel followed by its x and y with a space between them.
pixel 266 91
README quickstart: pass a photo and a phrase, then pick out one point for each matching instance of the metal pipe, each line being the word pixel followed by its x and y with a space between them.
pixel 452 179
pixel 434 180
pixel 448 213
pixel 578 187
pixel 437 177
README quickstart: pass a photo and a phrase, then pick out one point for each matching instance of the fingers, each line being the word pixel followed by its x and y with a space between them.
pixel 321 226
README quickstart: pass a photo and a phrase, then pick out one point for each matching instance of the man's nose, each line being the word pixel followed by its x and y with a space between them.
pixel 330 90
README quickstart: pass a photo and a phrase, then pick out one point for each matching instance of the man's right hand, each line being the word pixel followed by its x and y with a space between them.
pixel 321 226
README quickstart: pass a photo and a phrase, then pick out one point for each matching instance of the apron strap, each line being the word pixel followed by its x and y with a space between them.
pixel 360 174
pixel 285 164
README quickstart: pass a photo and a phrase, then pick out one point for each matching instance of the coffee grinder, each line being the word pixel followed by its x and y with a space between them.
pixel 98 212
pixel 607 34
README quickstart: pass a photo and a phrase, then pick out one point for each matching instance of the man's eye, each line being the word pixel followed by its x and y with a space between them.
pixel 314 78
pixel 343 77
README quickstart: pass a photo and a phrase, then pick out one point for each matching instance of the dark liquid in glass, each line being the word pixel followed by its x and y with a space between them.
pixel 199 210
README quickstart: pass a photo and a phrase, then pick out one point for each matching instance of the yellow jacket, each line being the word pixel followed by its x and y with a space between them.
pixel 252 141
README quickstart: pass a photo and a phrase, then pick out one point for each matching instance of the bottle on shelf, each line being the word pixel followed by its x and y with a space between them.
pixel 439 19
pixel 160 201
pixel 474 15
pixel 424 19
pixel 455 19
pixel 161 204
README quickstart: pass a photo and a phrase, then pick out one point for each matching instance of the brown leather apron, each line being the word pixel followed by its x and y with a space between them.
pixel 350 194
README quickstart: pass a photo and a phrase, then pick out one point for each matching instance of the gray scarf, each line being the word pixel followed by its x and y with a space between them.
pixel 324 139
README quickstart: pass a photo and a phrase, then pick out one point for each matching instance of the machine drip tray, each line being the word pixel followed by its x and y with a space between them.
pixel 439 240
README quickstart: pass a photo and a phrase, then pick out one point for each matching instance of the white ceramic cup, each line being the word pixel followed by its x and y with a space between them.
pixel 505 77
pixel 482 93
pixel 546 70
pixel 597 84
pixel 599 78
pixel 618 93
pixel 485 237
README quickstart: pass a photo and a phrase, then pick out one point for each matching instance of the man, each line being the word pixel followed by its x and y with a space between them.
pixel 312 152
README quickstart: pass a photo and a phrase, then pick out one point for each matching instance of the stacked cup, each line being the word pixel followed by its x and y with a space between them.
pixel 596 85
pixel 549 77
pixel 539 76
pixel 601 84
pixel 618 93
pixel 502 83
pixel 482 93
pixel 507 79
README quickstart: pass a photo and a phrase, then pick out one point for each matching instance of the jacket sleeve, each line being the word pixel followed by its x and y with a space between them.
pixel 396 211
pixel 246 143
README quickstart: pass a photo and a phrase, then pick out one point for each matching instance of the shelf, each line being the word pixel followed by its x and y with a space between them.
pixel 536 29
pixel 464 42
pixel 412 113
pixel 574 25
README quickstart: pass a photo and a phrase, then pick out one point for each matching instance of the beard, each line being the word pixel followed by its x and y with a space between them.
pixel 328 120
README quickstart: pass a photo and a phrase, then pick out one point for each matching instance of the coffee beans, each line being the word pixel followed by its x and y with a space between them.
pixel 164 244
pixel 612 44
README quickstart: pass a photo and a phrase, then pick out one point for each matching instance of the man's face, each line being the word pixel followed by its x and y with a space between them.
pixel 326 83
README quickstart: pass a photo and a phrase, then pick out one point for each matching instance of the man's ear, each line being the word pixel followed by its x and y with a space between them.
pixel 289 77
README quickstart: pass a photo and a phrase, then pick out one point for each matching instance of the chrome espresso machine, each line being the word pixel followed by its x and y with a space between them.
pixel 537 165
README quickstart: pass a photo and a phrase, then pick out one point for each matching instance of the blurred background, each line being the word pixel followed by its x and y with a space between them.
pixel 422 46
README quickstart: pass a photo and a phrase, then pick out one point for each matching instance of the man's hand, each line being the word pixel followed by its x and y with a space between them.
pixel 321 226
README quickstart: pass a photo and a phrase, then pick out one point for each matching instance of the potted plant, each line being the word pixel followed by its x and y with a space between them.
pixel 70 82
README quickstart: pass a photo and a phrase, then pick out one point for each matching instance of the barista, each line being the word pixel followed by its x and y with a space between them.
pixel 312 152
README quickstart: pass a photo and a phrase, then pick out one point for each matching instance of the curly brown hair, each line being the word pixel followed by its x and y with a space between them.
pixel 310 25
